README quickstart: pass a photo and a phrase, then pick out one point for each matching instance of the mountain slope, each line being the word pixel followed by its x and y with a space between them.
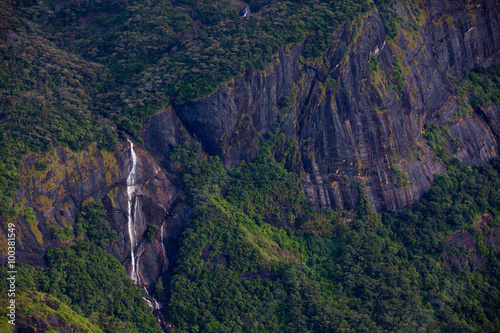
pixel 255 126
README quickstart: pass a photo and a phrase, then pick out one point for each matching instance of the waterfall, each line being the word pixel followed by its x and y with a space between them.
pixel 138 277
pixel 131 215
pixel 131 196
pixel 247 11
pixel 155 305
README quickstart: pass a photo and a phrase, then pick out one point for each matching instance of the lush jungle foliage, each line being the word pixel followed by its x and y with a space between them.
pixel 256 258
pixel 86 278
pixel 94 285
pixel 76 72
pixel 92 222
pixel 482 86
pixel 52 314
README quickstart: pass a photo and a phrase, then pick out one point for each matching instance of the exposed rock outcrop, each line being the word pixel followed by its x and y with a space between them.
pixel 355 126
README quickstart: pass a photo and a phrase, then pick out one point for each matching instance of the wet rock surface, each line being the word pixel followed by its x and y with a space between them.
pixel 58 193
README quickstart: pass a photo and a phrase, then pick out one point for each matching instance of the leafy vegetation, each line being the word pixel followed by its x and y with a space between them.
pixel 92 221
pixel 196 66
pixel 374 66
pixel 92 282
pixel 87 278
pixel 96 284
pixel 398 81
pixel 46 100
pixel 227 249
pixel 392 22
pixel 400 176
pixel 438 137
pixel 482 86
pixel 50 312
pixel 256 256
pixel 464 111
pixel 63 233
pixel 77 72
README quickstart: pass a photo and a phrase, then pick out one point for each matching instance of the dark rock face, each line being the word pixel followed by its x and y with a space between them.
pixel 462 34
pixel 355 128
pixel 160 133
pixel 59 191
pixel 154 194
pixel 56 194
pixel 228 122
pixel 491 115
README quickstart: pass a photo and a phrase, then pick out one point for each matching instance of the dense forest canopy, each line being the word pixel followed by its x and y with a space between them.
pixel 76 72
pixel 434 266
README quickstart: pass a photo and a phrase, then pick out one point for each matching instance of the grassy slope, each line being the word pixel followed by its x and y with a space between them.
pixel 50 314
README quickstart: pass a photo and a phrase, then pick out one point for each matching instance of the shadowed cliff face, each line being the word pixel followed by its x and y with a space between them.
pixel 357 126
pixel 463 34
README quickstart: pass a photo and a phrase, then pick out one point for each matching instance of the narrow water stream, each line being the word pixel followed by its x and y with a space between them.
pixel 131 214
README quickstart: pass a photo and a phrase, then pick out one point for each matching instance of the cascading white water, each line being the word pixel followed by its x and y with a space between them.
pixel 155 305
pixel 131 189
pixel 131 215
pixel 247 11
pixel 137 271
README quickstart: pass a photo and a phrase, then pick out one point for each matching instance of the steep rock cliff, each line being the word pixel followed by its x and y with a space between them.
pixel 356 125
